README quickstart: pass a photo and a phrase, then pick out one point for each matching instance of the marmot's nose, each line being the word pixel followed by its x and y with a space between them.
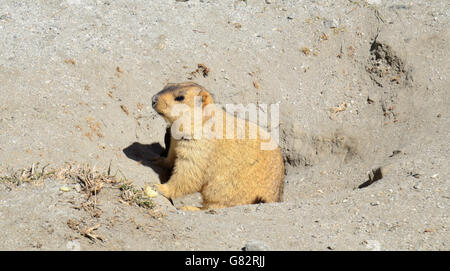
pixel 154 101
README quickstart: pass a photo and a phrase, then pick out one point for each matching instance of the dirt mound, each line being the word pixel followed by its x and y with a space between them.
pixel 301 149
pixel 385 67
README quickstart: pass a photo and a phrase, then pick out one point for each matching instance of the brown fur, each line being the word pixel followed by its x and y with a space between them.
pixel 227 172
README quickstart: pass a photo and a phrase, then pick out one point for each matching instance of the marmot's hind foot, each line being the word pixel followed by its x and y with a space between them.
pixel 190 208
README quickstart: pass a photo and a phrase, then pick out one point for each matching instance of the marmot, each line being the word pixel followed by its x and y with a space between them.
pixel 227 172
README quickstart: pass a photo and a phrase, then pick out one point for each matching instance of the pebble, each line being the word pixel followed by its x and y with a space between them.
pixel 374 2
pixel 65 188
pixel 4 17
pixel 73 245
pixel 255 245
pixel 373 245
pixel 330 23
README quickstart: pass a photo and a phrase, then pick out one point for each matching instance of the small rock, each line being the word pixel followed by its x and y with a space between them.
pixel 417 186
pixel 395 152
pixel 255 246
pixel 211 212
pixel 330 23
pixel 373 245
pixel 376 174
pixel 375 203
pixel 4 17
pixel 65 188
pixel 149 192
pixel 415 175
pixel 374 2
pixel 73 245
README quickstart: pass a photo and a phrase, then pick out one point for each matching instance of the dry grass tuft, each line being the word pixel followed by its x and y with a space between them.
pixel 80 227
pixel 26 175
pixel 90 179
pixel 132 195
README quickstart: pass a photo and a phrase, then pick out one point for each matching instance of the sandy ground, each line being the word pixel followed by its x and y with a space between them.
pixel 363 86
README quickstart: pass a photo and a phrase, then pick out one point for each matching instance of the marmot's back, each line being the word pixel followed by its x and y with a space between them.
pixel 242 173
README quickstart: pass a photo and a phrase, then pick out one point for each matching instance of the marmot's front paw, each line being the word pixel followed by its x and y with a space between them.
pixel 164 190
pixel 190 208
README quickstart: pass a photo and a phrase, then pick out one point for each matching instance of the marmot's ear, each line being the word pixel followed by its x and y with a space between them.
pixel 206 98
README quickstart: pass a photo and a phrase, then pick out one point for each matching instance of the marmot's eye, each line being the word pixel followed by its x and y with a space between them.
pixel 179 98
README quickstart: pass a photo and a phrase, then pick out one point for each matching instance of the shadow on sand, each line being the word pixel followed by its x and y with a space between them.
pixel 143 153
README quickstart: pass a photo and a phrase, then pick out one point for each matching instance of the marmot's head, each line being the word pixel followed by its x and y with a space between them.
pixel 175 94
